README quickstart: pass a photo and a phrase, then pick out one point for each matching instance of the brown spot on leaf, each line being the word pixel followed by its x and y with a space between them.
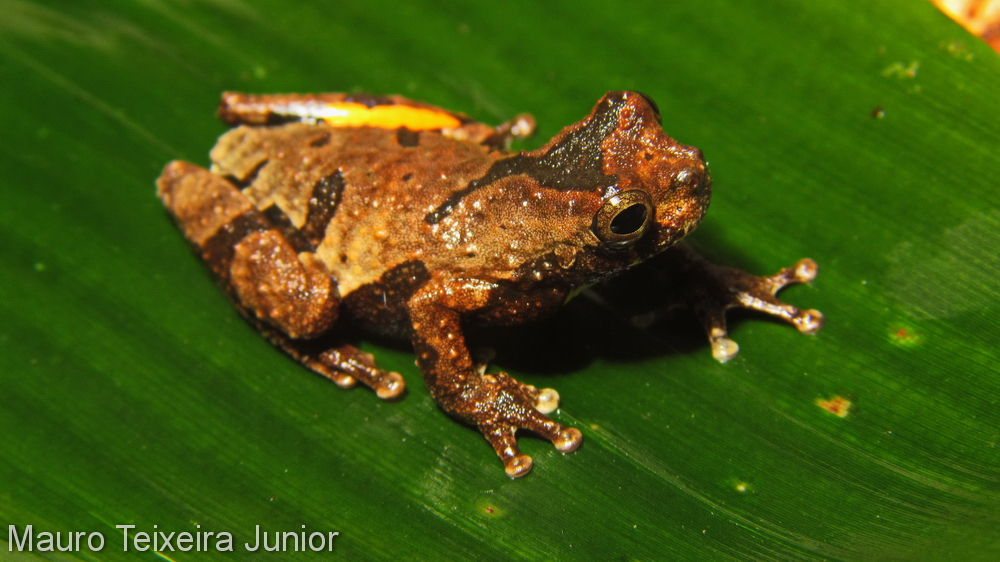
pixel 837 406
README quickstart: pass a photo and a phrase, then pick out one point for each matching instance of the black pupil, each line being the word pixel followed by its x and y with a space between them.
pixel 629 220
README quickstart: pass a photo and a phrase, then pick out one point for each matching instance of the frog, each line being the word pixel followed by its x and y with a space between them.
pixel 408 220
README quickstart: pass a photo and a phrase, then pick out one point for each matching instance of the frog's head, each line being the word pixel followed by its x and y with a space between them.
pixel 602 195
pixel 643 190
pixel 660 188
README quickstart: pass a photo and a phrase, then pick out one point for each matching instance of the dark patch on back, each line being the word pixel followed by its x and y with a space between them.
pixel 245 182
pixel 320 141
pixel 574 164
pixel 277 217
pixel 407 138
pixel 381 305
pixel 323 205
pixel 219 249
pixel 280 220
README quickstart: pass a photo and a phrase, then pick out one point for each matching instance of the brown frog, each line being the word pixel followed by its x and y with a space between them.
pixel 416 221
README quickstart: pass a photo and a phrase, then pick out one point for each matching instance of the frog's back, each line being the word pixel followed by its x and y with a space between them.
pixel 357 196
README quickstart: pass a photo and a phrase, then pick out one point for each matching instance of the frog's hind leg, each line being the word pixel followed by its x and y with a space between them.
pixel 345 365
pixel 290 295
pixel 520 127
pixel 499 137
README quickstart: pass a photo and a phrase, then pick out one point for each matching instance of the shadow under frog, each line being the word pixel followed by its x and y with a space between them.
pixel 411 221
pixel 628 318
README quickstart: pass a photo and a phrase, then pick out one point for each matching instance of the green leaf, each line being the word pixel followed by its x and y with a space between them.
pixel 862 135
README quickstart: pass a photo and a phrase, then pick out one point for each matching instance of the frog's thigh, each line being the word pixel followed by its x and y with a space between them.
pixel 292 292
pixel 293 295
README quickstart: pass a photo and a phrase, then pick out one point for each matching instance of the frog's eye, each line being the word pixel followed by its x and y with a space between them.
pixel 623 218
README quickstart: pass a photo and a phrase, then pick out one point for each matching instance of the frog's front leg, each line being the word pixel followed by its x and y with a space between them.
pixel 496 403
pixel 290 295
pixel 710 290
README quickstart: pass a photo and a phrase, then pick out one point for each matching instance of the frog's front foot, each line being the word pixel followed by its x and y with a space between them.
pixel 500 405
pixel 726 287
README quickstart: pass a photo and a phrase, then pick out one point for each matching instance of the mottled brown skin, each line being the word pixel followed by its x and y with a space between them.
pixel 420 233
